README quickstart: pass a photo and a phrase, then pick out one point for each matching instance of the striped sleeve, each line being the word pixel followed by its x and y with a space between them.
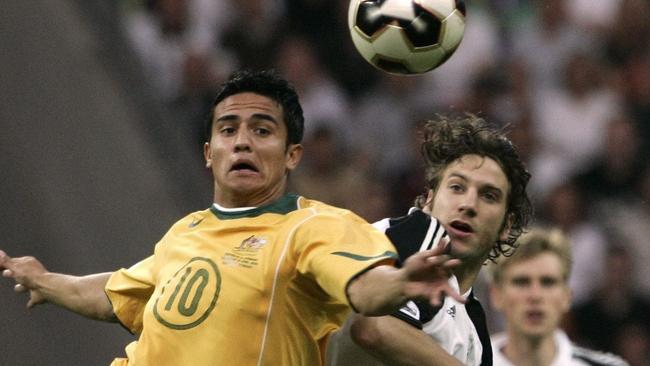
pixel 410 234
pixel 414 233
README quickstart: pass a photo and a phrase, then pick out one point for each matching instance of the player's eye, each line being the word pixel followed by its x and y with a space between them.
pixel 549 281
pixel 262 131
pixel 520 281
pixel 491 197
pixel 227 130
pixel 455 187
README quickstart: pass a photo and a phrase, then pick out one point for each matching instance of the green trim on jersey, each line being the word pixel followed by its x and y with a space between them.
pixel 241 292
pixel 361 258
pixel 284 205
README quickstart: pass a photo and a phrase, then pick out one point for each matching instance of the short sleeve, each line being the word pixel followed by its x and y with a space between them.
pixel 416 313
pixel 334 249
pixel 129 291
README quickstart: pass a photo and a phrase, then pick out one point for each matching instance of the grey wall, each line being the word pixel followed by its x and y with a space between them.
pixel 91 172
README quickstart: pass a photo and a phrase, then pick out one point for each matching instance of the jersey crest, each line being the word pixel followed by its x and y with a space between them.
pixel 246 254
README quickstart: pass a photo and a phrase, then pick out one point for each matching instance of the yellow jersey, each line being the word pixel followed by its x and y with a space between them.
pixel 264 286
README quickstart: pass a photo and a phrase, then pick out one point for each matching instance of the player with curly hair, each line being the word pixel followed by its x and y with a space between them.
pixel 475 206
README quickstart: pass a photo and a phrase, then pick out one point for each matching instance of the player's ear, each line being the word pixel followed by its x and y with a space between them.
pixel 206 155
pixel 293 156
pixel 427 205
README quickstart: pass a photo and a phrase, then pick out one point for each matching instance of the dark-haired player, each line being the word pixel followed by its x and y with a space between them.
pixel 260 277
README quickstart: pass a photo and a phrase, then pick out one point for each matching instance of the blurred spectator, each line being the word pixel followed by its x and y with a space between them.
pixel 164 33
pixel 324 24
pixel 494 96
pixel 480 49
pixel 614 308
pixel 614 175
pixel 594 16
pixel 328 174
pixel 383 129
pixel 407 180
pixel 254 33
pixel 630 33
pixel 565 208
pixel 628 219
pixel 323 101
pixel 636 92
pixel 521 135
pixel 196 95
pixel 545 42
pixel 570 122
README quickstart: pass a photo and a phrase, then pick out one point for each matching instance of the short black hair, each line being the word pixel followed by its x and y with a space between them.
pixel 269 84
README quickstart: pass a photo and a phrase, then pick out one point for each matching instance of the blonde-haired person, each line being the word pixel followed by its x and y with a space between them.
pixel 531 289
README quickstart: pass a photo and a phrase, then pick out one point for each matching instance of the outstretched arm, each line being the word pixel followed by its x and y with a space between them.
pixel 83 295
pixel 396 342
pixel 384 289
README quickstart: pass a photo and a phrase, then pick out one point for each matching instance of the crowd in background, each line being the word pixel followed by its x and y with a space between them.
pixel 570 80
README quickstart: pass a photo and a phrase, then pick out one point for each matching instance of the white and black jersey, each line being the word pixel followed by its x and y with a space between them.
pixel 568 354
pixel 459 328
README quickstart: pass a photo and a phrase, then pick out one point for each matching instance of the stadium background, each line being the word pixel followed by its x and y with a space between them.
pixel 101 105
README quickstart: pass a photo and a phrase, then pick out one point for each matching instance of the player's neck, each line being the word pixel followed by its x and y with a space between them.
pixel 249 199
pixel 466 274
pixel 521 350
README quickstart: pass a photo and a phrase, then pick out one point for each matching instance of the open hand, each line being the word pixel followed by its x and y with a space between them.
pixel 428 275
pixel 25 271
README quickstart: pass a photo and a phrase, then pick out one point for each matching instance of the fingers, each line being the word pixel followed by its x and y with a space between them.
pixel 442 260
pixel 439 293
pixel 436 298
pixel 437 250
pixel 7 273
pixel 3 259
pixel 19 288
pixel 451 263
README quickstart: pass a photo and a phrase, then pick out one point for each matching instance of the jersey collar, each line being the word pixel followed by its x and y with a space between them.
pixel 282 206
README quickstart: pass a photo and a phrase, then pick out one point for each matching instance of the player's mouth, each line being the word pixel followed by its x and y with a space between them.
pixel 244 167
pixel 535 316
pixel 460 228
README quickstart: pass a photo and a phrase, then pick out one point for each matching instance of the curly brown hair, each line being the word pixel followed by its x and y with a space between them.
pixel 447 139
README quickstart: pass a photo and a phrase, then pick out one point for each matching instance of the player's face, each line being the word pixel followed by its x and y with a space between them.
pixel 247 153
pixel 470 202
pixel 533 296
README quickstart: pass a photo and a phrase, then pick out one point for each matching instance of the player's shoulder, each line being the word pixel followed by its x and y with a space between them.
pixel 415 219
pixel 597 358
pixel 413 232
pixel 192 219
pixel 324 210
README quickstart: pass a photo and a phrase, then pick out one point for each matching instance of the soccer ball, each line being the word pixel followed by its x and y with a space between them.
pixel 406 36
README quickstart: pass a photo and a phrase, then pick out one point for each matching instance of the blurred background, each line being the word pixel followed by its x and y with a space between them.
pixel 102 107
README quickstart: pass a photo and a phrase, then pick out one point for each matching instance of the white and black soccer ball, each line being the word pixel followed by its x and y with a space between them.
pixel 406 36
